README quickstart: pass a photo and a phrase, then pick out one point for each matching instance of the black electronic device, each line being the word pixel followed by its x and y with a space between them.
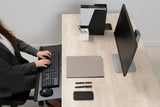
pixel 126 42
pixel 83 95
pixel 83 83
pixel 48 84
pixel 84 86
pixel 93 17
pixel 46 92
pixel 50 75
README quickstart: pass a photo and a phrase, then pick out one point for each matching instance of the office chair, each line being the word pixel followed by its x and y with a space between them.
pixel 16 99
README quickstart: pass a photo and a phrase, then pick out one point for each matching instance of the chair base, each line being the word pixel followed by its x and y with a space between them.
pixel 15 100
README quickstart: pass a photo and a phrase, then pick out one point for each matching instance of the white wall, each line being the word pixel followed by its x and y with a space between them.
pixel 38 22
pixel 147 16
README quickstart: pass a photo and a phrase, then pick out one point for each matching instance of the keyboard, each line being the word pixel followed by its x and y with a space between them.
pixel 50 75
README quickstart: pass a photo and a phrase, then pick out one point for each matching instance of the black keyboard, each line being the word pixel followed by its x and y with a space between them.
pixel 50 75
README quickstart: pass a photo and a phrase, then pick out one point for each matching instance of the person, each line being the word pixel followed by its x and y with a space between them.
pixel 17 75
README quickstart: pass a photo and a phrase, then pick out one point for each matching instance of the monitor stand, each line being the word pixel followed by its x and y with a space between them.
pixel 117 64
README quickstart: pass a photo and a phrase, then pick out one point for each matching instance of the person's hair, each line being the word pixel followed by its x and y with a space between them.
pixel 7 33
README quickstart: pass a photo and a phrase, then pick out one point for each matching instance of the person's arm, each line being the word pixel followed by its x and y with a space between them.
pixel 21 69
pixel 26 48
pixel 29 49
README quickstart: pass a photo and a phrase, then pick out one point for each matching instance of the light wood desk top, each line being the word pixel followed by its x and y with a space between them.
pixel 137 89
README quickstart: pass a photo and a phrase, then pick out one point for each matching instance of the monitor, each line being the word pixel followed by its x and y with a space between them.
pixel 126 43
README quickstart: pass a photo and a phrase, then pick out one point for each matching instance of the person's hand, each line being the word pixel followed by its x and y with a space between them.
pixel 41 54
pixel 43 63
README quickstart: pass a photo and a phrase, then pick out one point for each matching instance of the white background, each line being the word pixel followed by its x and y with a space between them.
pixel 38 22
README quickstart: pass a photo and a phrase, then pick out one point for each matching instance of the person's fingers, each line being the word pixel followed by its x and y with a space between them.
pixel 45 53
pixel 46 61
pixel 42 57
pixel 48 54
pixel 44 66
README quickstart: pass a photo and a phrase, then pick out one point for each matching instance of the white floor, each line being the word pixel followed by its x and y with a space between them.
pixel 153 53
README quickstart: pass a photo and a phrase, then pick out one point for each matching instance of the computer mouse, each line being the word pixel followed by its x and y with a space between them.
pixel 46 92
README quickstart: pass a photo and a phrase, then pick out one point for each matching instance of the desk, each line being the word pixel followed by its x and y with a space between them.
pixel 137 89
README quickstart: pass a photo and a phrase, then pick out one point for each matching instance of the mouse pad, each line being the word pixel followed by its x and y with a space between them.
pixel 84 67
pixel 83 95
